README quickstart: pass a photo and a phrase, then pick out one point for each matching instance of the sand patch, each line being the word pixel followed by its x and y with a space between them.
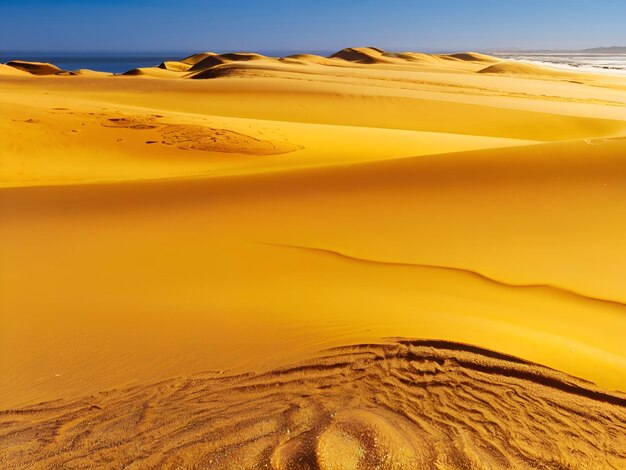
pixel 131 122
pixel 210 139
pixel 202 138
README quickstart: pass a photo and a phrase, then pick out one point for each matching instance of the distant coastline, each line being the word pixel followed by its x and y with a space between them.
pixel 593 50
pixel 590 61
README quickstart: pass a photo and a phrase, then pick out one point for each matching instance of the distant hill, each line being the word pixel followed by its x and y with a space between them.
pixel 593 50
pixel 606 50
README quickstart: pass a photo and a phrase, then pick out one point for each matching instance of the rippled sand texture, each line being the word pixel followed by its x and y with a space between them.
pixel 407 404
pixel 235 213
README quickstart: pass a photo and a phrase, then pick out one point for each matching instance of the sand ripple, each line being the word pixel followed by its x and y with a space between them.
pixel 404 404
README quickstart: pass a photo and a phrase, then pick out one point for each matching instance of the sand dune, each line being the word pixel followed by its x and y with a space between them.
pixel 541 302
pixel 83 72
pixel 91 73
pixel 308 59
pixel 413 56
pixel 517 68
pixel 208 64
pixel 373 55
pixel 7 70
pixel 154 72
pixel 195 58
pixel 218 59
pixel 407 404
pixel 36 68
pixel 237 213
pixel 175 66
pixel 474 57
pixel 362 55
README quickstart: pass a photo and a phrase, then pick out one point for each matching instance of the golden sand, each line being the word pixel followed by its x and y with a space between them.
pixel 235 213
pixel 407 404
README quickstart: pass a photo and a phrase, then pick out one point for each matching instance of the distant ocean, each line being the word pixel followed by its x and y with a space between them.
pixel 603 63
pixel 116 62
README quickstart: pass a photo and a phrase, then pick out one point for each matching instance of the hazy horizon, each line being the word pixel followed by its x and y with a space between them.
pixel 161 53
pixel 142 26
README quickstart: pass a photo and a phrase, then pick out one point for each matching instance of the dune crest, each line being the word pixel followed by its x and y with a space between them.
pixel 530 70
pixel 361 55
pixel 308 59
pixel 35 68
pixel 175 66
pixel 473 57
pixel 195 58
pixel 218 59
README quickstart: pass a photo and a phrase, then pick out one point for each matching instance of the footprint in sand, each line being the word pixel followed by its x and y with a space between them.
pixel 28 121
pixel 137 123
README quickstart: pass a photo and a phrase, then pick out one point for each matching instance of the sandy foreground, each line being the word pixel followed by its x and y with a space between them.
pixel 216 263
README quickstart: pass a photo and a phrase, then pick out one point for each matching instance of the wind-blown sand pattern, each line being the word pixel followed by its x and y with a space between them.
pixel 190 137
pixel 406 404
pixel 237 213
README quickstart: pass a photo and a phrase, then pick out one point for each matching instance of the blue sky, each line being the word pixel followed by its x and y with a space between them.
pixel 277 25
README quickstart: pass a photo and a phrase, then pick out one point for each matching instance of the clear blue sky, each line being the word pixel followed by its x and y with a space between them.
pixel 262 25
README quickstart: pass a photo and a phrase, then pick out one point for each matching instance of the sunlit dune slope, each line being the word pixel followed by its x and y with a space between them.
pixel 195 58
pixel 407 404
pixel 8 70
pixel 159 227
pixel 175 66
pixel 362 55
pixel 474 57
pixel 517 68
pixel 342 115
pixel 84 73
pixel 184 265
pixel 154 72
